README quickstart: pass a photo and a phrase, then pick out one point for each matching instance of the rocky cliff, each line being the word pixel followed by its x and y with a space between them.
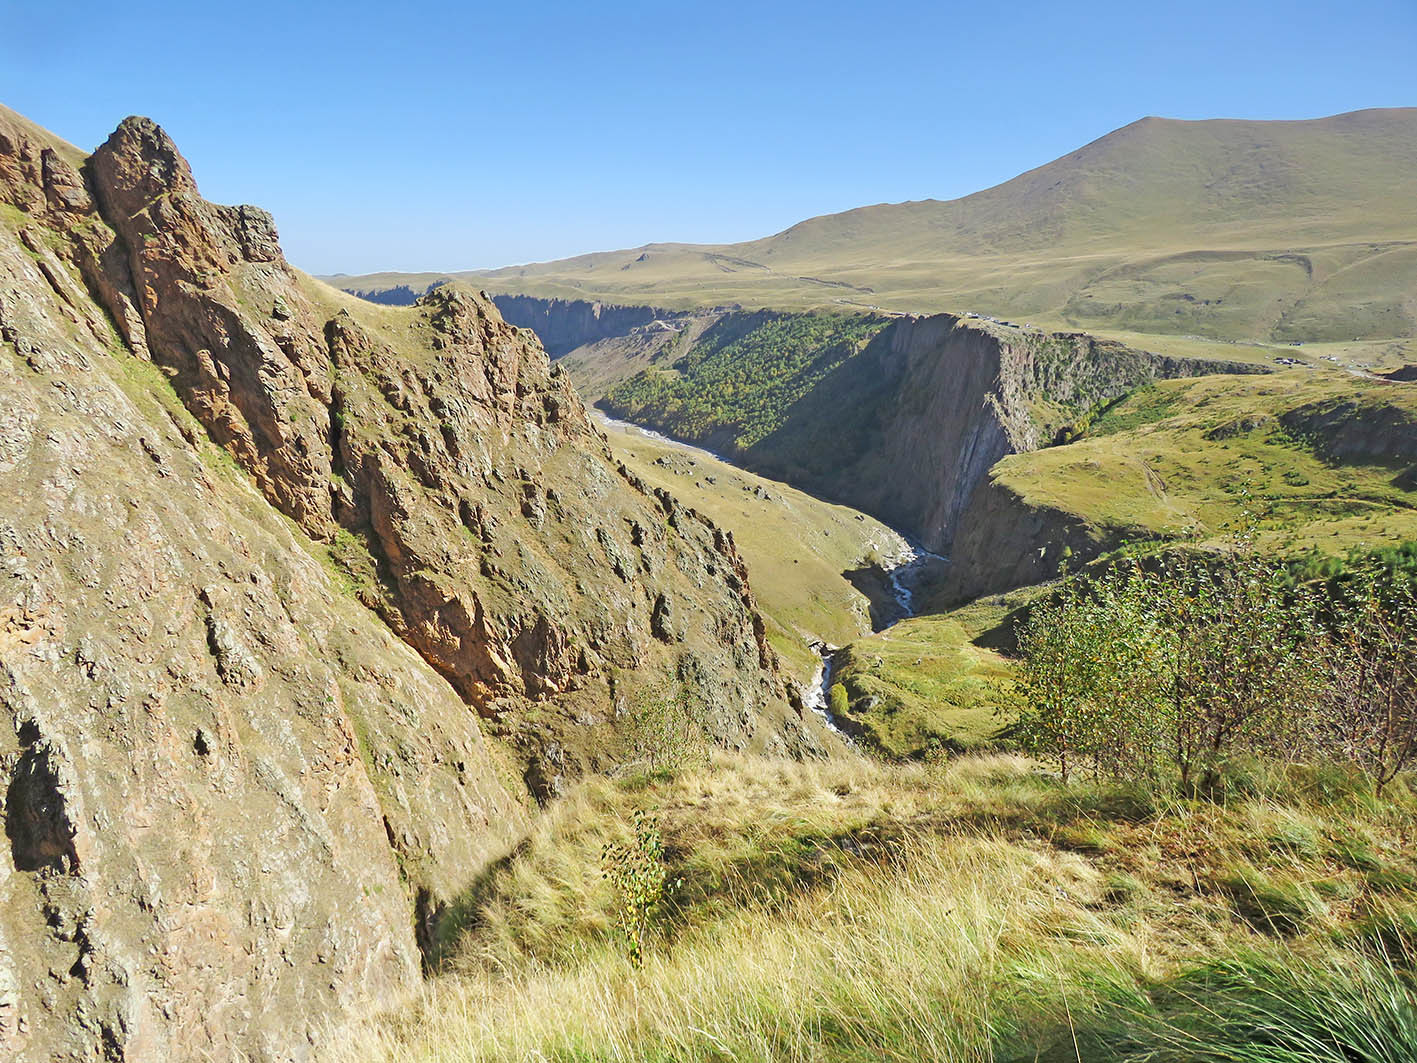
pixel 958 397
pixel 906 426
pixel 565 324
pixel 273 562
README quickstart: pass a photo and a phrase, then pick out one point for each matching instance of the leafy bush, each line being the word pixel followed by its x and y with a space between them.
pixel 1371 695
pixel 640 879
pixel 1201 659
pixel 1245 660
pixel 1087 685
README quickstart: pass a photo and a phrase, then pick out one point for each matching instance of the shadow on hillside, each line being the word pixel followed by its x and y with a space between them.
pixel 873 582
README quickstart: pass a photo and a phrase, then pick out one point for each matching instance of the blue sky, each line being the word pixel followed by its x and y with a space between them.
pixel 447 136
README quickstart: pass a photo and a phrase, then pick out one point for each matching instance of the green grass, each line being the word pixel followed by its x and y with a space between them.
pixel 1320 458
pixel 797 547
pixel 1256 1006
pixel 922 683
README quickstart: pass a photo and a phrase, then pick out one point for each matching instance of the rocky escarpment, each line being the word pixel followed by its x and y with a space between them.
pixel 1358 428
pixel 454 468
pixel 946 398
pixel 242 766
pixel 905 425
pixel 959 396
pixel 225 786
pixel 565 324
pixel 1004 541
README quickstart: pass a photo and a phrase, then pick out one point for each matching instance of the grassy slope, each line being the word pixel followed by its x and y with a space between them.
pixel 797 547
pixel 974 911
pixel 1273 231
pixel 929 681
pixel 1179 460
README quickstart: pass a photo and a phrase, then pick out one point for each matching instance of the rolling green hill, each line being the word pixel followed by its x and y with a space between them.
pixel 1276 231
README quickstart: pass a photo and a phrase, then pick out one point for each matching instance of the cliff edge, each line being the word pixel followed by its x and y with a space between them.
pixel 277 567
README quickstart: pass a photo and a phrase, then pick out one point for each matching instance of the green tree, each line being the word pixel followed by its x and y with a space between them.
pixel 1371 692
pixel 640 879
pixel 1244 660
pixel 1087 693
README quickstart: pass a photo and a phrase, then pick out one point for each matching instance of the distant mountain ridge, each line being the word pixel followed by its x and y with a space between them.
pixel 1280 230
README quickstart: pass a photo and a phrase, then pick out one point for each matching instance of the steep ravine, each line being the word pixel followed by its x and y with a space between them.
pixel 908 428
pixel 904 571
pixel 562 325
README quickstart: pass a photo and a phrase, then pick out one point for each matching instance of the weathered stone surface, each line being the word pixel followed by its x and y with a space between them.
pixel 204 750
pixel 242 767
pixel 260 387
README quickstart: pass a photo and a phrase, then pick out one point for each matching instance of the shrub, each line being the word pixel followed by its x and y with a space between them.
pixel 640 879
pixel 1371 693
pixel 1083 691
pixel 1245 664
pixel 1205 660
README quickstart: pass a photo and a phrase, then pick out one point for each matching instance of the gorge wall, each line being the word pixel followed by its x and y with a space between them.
pixel 303 603
pixel 562 325
pixel 906 426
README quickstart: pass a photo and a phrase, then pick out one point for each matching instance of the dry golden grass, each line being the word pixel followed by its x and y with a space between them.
pixel 971 910
pixel 906 966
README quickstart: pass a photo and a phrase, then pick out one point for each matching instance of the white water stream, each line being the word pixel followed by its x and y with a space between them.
pixel 904 569
pixel 904 563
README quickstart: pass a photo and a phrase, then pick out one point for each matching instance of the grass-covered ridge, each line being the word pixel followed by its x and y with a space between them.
pixel 1268 232
pixel 1323 459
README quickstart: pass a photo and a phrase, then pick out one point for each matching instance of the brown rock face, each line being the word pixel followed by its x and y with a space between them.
pixel 235 799
pixel 461 472
pixel 205 750
pixel 209 280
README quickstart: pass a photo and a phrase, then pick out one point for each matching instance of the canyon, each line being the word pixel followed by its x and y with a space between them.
pixel 905 428
pixel 313 601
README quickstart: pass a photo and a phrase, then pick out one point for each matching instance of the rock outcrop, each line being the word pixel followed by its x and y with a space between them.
pixel 565 324
pixel 271 562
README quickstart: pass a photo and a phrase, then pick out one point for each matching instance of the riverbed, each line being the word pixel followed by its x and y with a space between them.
pixel 894 576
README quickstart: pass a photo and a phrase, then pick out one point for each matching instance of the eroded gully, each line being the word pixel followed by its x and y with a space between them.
pixel 904 563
